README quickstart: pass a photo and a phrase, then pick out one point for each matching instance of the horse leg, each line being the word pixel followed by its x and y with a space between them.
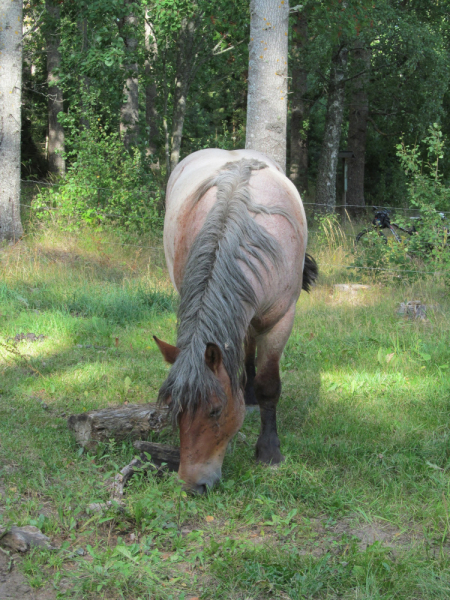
pixel 267 386
pixel 250 371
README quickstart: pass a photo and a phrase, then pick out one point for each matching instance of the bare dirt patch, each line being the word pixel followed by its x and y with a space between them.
pixel 13 584
pixel 352 293
pixel 369 533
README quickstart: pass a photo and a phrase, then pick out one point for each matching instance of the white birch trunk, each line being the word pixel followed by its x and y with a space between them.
pixel 267 79
pixel 10 117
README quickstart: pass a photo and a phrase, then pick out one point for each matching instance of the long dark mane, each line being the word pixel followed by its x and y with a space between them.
pixel 215 294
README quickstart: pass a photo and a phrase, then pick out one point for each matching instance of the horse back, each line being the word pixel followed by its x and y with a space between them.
pixel 270 188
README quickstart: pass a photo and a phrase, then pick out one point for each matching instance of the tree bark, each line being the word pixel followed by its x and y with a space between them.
pixel 131 421
pixel 56 140
pixel 10 117
pixel 84 80
pixel 151 113
pixel 299 138
pixel 160 453
pixel 129 113
pixel 267 79
pixel 326 176
pixel 183 78
pixel 357 129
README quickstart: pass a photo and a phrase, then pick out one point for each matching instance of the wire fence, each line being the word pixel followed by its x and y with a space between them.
pixel 91 187
pixel 436 272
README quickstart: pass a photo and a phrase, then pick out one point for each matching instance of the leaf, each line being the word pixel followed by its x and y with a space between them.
pixel 425 356
pixel 126 384
pixel 380 355
pixel 433 466
pixel 389 357
pixel 209 519
pixel 125 552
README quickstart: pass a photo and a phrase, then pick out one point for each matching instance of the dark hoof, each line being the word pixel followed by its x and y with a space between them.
pixel 275 459
pixel 269 454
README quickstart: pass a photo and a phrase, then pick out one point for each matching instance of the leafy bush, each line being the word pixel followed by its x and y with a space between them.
pixel 428 248
pixel 104 183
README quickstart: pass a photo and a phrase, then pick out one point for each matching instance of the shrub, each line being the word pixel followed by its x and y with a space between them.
pixel 104 183
pixel 428 248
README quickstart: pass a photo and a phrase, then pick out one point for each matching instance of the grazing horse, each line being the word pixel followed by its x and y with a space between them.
pixel 235 240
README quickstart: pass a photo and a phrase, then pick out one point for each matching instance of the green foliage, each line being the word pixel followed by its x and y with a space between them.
pixel 428 247
pixel 104 183
pixel 426 187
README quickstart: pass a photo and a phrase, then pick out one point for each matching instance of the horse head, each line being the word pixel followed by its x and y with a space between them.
pixel 206 430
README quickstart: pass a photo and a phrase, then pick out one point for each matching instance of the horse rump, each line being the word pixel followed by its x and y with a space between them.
pixel 310 273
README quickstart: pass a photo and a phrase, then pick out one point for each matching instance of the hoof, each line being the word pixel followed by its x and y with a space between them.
pixel 269 455
pixel 274 461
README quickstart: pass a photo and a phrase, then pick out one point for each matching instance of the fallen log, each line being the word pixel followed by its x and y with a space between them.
pixel 130 421
pixel 159 454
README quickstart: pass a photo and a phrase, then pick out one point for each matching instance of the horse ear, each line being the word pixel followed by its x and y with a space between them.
pixel 213 357
pixel 169 352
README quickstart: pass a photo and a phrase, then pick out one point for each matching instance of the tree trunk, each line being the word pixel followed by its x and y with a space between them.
pixel 183 78
pixel 84 81
pixel 151 114
pixel 56 140
pixel 267 79
pixel 10 117
pixel 357 129
pixel 326 176
pixel 299 139
pixel 129 113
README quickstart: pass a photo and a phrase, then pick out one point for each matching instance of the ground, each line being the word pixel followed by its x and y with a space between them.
pixel 359 510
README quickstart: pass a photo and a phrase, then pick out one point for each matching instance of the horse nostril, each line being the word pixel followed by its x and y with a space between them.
pixel 201 488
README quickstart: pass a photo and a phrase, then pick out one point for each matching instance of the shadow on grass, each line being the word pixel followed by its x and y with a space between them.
pixel 117 305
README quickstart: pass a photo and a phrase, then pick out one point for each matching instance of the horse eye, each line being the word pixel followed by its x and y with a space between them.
pixel 215 412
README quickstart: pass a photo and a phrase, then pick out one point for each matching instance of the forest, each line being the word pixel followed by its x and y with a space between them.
pixel 99 103
pixel 114 93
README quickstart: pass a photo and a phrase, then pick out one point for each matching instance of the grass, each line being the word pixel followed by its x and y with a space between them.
pixel 359 510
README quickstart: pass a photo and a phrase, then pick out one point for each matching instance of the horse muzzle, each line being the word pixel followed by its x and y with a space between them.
pixel 201 484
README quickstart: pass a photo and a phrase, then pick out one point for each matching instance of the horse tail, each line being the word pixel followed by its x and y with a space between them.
pixel 310 273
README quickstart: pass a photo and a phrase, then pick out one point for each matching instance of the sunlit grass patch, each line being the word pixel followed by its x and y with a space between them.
pixel 358 510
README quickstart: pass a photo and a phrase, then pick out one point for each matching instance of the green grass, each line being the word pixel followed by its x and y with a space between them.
pixel 359 510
